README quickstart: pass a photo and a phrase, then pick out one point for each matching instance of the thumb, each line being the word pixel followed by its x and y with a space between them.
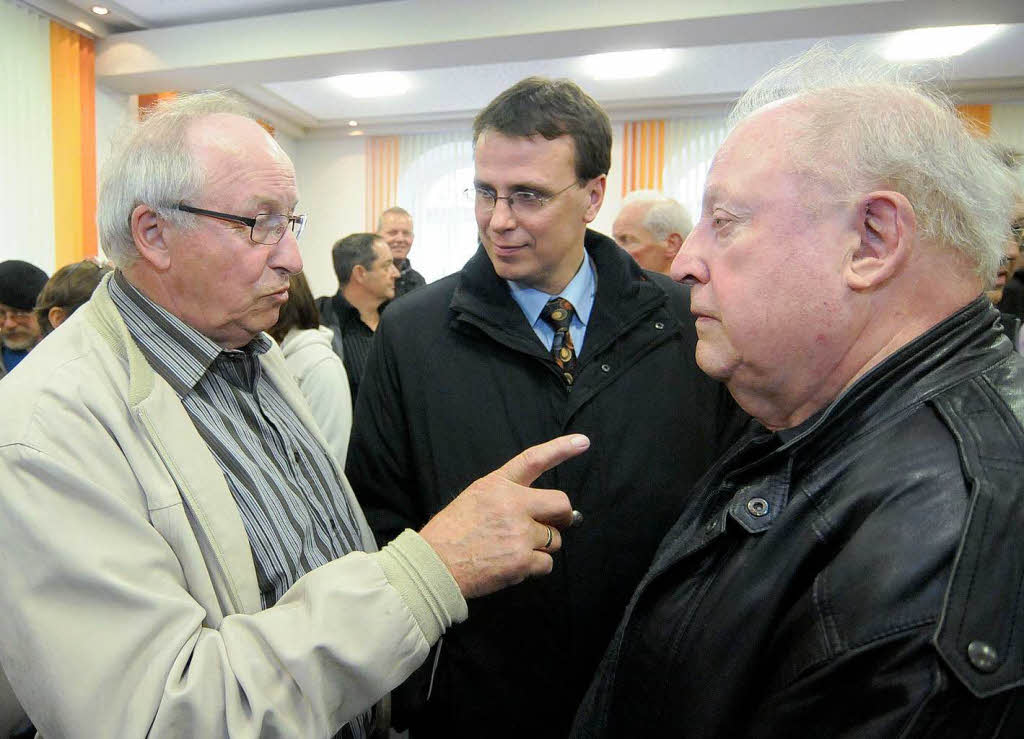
pixel 531 463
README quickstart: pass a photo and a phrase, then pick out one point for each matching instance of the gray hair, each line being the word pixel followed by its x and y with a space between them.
pixel 665 216
pixel 151 164
pixel 869 125
pixel 394 210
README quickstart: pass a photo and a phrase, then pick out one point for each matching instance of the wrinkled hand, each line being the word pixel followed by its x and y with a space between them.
pixel 495 533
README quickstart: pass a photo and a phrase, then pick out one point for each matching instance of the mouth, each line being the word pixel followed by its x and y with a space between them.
pixel 507 250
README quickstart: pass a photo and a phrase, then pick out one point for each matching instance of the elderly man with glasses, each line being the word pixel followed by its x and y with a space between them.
pixel 181 554
pixel 549 328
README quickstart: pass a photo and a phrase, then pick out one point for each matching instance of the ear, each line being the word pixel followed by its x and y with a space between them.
pixel 673 244
pixel 148 233
pixel 358 274
pixel 595 192
pixel 886 227
pixel 56 315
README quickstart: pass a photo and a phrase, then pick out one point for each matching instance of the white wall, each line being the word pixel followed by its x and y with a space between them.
pixel 113 111
pixel 331 175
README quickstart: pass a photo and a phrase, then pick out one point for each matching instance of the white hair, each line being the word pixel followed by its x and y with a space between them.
pixel 665 216
pixel 868 125
pixel 151 164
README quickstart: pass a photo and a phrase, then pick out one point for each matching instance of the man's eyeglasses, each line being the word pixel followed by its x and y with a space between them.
pixel 264 228
pixel 522 202
pixel 14 314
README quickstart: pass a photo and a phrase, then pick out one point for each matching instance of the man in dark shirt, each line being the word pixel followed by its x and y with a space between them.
pixel 395 227
pixel 366 278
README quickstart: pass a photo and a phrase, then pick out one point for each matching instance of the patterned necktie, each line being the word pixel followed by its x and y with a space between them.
pixel 558 314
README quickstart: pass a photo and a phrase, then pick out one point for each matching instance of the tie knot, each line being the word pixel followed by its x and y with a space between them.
pixel 558 313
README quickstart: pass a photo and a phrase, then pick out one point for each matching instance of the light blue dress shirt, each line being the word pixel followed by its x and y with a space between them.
pixel 580 292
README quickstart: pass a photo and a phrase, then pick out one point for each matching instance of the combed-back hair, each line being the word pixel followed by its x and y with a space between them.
pixel 869 125
pixel 665 216
pixel 151 164
pixel 352 250
pixel 552 108
pixel 299 312
pixel 69 288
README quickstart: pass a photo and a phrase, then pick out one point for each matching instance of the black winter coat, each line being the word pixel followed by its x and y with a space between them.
pixel 458 383
pixel 860 576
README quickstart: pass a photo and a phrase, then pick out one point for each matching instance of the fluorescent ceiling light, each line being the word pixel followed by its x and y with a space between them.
pixel 627 65
pixel 372 84
pixel 936 43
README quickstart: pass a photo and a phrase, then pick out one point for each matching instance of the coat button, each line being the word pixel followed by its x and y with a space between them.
pixel 982 656
pixel 659 325
pixel 606 368
pixel 757 507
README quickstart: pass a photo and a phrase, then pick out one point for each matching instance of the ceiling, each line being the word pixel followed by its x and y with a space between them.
pixel 458 54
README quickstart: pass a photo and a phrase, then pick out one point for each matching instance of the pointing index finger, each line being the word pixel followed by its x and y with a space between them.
pixel 531 463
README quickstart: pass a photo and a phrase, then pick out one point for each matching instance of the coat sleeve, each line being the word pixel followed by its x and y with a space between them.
pixel 101 634
pixel 381 453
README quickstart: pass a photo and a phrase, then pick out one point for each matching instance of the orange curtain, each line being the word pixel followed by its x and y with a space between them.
pixel 381 177
pixel 643 155
pixel 73 92
pixel 977 118
pixel 149 100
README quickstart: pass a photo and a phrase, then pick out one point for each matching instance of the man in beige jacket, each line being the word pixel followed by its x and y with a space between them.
pixel 181 555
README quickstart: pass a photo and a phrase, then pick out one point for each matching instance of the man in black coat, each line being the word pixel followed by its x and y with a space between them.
pixel 853 566
pixel 549 328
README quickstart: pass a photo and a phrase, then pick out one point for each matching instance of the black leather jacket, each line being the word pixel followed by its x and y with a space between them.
pixel 859 576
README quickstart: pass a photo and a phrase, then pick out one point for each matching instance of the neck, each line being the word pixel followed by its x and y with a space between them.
pixel 367 305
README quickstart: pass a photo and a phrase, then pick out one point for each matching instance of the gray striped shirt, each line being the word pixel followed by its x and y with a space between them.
pixel 287 491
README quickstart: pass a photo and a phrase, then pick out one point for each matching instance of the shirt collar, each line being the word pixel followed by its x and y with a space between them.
pixel 179 353
pixel 580 292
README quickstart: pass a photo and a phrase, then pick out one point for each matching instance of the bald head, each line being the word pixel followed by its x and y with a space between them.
pixel 651 227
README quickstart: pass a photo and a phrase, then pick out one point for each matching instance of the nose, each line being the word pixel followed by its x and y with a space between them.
pixel 688 267
pixel 285 254
pixel 503 218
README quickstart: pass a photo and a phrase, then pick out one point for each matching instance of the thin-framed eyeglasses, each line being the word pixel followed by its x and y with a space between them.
pixel 264 228
pixel 520 201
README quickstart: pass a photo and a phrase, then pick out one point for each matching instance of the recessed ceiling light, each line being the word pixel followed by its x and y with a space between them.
pixel 371 84
pixel 353 123
pixel 99 10
pixel 627 65
pixel 936 43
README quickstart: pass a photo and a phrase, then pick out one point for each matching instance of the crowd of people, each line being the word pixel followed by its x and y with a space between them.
pixel 759 473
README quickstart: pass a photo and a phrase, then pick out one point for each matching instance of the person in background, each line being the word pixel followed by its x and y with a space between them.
pixel 66 291
pixel 651 227
pixel 366 281
pixel 853 566
pixel 1007 280
pixel 306 346
pixel 395 227
pixel 20 283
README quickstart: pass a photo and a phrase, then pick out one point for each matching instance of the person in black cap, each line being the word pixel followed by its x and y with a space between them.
pixel 20 283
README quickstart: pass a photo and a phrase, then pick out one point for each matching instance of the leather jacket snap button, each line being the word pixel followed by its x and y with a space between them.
pixel 757 507
pixel 606 368
pixel 659 325
pixel 982 656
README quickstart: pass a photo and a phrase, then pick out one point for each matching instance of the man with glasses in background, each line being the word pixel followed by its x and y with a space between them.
pixel 20 283
pixel 181 554
pixel 549 328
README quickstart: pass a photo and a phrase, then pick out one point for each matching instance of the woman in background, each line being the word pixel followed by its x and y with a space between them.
pixel 318 370
pixel 66 291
